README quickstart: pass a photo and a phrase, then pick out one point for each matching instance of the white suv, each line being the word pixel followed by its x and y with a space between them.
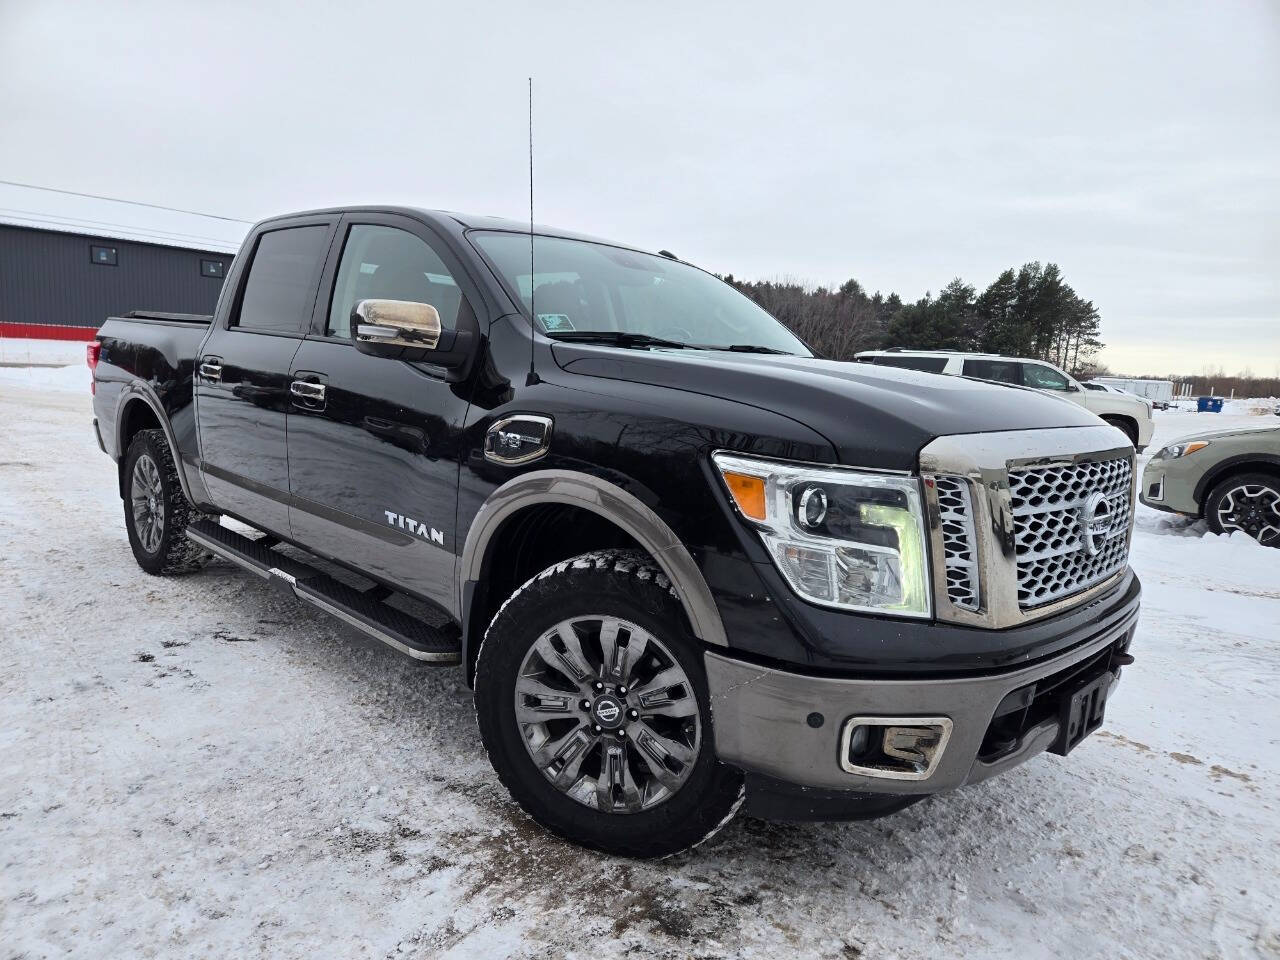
pixel 1131 414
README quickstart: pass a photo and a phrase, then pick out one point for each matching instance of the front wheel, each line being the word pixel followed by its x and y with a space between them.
pixel 1125 426
pixel 592 703
pixel 1249 502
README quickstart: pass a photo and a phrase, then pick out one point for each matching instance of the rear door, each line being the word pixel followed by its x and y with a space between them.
pixel 996 370
pixel 374 442
pixel 243 377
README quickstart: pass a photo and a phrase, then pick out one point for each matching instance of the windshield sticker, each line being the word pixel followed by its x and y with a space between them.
pixel 555 322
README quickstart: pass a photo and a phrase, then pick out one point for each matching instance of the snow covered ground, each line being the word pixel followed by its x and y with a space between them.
pixel 200 767
pixel 27 351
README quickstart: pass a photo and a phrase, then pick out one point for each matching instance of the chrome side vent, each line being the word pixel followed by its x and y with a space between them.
pixel 959 542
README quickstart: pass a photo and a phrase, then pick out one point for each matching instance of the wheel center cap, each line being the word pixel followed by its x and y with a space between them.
pixel 607 711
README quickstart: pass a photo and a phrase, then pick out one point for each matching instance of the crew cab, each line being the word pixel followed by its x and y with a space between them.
pixel 1128 413
pixel 685 564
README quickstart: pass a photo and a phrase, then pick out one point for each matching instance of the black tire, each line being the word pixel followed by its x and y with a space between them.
pixel 1265 487
pixel 170 552
pixel 629 586
pixel 1125 426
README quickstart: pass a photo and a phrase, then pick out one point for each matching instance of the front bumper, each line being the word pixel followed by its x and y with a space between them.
pixel 788 726
pixel 1169 485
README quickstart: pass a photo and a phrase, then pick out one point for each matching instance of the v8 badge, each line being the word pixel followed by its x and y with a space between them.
pixel 518 439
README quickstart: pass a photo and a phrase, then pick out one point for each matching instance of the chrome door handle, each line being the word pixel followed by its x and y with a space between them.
pixel 211 371
pixel 307 391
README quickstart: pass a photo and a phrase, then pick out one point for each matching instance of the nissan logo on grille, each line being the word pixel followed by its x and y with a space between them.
pixel 1095 522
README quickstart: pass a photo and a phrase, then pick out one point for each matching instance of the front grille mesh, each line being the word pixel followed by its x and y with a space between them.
pixel 959 547
pixel 1048 532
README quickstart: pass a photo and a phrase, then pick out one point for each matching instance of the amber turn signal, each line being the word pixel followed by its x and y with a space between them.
pixel 748 493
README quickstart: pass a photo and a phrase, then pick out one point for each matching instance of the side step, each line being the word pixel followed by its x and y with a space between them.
pixel 364 611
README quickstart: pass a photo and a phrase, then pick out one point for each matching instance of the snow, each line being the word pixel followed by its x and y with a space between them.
pixel 202 767
pixel 30 350
pixel 73 379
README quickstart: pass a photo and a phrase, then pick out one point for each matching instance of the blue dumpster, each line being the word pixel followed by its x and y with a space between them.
pixel 1208 404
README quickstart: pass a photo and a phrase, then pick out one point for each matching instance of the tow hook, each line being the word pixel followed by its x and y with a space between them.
pixel 1121 660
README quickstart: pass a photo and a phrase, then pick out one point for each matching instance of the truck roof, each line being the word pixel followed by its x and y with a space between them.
pixel 452 221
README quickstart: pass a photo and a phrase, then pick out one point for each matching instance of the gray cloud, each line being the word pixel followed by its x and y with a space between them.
pixel 1137 145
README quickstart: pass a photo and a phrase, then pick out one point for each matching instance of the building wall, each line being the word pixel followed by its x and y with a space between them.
pixel 48 277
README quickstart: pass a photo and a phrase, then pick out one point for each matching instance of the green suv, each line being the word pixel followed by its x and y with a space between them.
pixel 1229 477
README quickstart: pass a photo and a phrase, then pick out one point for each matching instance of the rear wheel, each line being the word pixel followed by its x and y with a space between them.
pixel 156 512
pixel 593 707
pixel 1249 502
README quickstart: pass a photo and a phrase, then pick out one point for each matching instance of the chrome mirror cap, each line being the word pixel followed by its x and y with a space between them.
pixel 396 323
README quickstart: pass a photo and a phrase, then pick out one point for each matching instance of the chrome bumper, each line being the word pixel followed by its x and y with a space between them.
pixel 766 720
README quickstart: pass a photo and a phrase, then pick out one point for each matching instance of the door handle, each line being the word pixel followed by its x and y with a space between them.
pixel 307 391
pixel 211 370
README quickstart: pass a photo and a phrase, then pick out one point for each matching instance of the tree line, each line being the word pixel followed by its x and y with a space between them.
pixel 1028 312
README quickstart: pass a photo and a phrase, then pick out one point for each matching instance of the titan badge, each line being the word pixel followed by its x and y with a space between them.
pixel 415 527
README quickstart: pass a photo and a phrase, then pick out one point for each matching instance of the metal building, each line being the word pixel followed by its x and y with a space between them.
pixel 66 264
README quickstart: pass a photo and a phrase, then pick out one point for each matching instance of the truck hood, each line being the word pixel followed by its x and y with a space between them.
pixel 874 416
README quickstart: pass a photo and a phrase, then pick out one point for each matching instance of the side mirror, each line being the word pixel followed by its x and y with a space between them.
pixel 404 330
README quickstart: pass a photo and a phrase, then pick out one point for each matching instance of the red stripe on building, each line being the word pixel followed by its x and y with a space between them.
pixel 47 331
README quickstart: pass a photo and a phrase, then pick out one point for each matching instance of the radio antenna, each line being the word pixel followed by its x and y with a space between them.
pixel 532 378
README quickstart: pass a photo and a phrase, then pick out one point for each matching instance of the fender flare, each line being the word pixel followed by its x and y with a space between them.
pixel 616 505
pixel 136 391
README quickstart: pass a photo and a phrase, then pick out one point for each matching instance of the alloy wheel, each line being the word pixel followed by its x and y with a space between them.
pixel 1253 508
pixel 608 714
pixel 147 496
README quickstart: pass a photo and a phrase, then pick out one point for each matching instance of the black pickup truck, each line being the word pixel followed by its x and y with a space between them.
pixel 683 562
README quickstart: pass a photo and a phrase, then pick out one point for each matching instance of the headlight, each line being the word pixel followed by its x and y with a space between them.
pixel 842 538
pixel 1175 450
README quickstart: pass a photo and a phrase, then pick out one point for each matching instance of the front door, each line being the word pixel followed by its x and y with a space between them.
pixel 242 379
pixel 374 442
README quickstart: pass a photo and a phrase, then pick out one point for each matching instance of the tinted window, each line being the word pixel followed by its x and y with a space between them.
pixel 1001 371
pixel 383 263
pixel 927 364
pixel 281 286
pixel 1043 378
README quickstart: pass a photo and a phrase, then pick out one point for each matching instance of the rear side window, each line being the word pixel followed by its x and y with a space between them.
pixel 282 279
pixel 1043 378
pixel 927 364
pixel 385 263
pixel 1001 371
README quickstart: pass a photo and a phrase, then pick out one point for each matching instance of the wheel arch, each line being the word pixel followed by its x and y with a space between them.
pixel 140 409
pixel 1243 463
pixel 621 510
pixel 1116 419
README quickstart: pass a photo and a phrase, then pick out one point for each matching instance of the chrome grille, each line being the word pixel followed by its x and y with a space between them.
pixel 959 544
pixel 1050 507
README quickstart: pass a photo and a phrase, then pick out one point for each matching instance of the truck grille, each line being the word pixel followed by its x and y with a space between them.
pixel 1070 527
pixel 959 549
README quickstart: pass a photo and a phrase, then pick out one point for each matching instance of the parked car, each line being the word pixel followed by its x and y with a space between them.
pixel 1099 387
pixel 684 563
pixel 1130 414
pixel 1231 478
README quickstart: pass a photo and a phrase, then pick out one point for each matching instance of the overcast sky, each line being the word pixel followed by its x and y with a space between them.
pixel 1138 146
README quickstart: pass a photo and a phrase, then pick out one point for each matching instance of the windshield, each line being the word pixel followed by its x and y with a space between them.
pixel 588 288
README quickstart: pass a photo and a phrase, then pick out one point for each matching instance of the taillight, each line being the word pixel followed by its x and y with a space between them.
pixel 92 351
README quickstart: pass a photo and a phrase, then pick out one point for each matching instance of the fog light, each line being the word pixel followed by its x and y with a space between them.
pixel 894 748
